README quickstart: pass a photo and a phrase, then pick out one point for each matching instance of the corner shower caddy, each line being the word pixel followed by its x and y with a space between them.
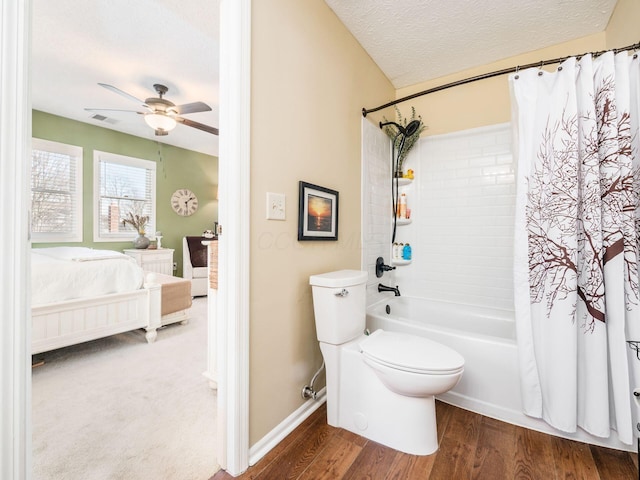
pixel 402 182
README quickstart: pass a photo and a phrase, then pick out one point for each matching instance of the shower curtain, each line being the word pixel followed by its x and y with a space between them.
pixel 576 142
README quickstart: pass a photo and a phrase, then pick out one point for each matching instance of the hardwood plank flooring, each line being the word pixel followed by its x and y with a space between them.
pixel 471 447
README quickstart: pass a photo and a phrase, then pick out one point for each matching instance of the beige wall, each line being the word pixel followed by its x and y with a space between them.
pixel 310 80
pixel 624 26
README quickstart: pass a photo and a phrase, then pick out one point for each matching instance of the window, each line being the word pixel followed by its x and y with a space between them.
pixel 56 192
pixel 122 186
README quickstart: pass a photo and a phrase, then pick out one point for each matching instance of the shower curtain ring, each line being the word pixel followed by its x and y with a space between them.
pixel 517 76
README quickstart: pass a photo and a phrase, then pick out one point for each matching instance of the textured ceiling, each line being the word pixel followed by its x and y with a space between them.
pixel 134 44
pixel 417 40
pixel 130 45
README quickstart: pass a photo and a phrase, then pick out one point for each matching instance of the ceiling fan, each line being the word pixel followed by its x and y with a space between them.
pixel 161 114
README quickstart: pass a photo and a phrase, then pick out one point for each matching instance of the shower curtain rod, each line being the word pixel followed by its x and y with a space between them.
pixel 457 83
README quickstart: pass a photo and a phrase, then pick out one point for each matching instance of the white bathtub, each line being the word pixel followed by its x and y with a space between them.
pixel 486 338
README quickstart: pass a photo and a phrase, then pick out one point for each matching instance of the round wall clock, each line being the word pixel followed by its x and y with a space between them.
pixel 184 202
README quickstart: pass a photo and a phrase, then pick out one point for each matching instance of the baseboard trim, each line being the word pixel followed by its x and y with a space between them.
pixel 288 425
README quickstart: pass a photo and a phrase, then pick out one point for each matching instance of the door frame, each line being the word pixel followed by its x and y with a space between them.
pixel 234 241
pixel 15 152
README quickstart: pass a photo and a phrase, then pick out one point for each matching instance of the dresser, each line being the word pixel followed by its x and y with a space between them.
pixel 159 260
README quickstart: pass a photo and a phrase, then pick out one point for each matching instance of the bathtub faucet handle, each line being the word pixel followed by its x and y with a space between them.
pixel 381 267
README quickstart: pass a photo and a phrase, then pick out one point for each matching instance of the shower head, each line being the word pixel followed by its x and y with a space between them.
pixel 412 128
pixel 407 131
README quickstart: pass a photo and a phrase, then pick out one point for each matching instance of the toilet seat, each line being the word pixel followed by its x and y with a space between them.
pixel 411 353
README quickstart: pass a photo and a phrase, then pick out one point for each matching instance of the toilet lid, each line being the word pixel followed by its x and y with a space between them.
pixel 411 353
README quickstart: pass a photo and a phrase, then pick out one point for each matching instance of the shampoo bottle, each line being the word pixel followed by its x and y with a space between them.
pixel 406 252
pixel 403 206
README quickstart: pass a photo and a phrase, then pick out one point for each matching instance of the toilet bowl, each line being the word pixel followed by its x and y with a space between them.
pixel 412 365
pixel 382 385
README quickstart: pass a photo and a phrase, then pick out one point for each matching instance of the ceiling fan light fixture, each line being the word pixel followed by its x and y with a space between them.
pixel 160 121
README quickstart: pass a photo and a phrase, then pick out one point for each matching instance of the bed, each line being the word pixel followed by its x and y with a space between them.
pixel 80 294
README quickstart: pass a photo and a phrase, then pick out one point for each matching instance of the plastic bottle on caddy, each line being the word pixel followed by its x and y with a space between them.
pixel 406 252
pixel 403 206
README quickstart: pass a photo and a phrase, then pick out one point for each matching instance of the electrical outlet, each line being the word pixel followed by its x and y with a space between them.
pixel 275 206
pixel 175 266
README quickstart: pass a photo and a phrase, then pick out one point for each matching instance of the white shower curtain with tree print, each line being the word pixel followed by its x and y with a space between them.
pixel 576 141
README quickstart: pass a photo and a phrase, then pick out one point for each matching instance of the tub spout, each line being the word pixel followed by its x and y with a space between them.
pixel 384 288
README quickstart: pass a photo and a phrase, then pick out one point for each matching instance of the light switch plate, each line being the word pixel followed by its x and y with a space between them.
pixel 275 206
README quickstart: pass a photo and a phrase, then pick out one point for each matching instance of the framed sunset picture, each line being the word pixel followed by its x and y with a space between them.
pixel 317 213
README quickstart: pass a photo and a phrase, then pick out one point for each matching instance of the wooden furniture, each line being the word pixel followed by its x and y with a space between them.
pixel 80 294
pixel 159 260
pixel 212 371
pixel 58 325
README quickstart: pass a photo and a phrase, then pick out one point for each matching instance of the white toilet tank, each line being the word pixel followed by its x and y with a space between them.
pixel 339 304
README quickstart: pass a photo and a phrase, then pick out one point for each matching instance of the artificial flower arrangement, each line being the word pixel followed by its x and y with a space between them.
pixel 392 132
pixel 136 221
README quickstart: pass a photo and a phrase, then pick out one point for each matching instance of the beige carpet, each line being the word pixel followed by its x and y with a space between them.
pixel 119 408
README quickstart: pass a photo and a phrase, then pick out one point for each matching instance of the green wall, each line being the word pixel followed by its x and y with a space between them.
pixel 176 168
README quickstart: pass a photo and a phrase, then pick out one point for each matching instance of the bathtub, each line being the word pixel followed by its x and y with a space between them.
pixel 486 338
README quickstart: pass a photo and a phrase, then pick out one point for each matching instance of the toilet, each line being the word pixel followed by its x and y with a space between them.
pixel 379 385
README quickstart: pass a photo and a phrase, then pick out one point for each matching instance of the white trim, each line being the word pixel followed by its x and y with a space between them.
pixel 288 425
pixel 15 153
pixel 234 241
pixel 211 373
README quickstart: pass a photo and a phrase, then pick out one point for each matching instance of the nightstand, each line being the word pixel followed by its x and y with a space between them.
pixel 158 260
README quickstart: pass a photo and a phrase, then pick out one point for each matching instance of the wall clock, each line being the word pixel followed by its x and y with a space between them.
pixel 184 202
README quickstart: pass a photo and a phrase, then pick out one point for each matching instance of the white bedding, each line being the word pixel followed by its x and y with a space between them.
pixel 66 273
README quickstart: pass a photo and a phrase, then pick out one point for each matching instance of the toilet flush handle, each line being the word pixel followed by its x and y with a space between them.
pixel 343 293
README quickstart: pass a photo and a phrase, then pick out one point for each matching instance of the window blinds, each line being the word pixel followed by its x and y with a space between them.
pixel 56 192
pixel 126 185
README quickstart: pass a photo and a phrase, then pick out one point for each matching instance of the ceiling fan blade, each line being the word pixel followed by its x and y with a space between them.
pixel 112 110
pixel 124 94
pixel 191 108
pixel 199 126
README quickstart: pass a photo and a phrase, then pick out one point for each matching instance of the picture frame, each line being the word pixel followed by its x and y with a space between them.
pixel 317 213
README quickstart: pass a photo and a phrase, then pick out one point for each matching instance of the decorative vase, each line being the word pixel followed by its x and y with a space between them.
pixel 141 241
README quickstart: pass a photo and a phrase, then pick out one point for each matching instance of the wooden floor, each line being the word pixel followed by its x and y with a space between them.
pixel 471 447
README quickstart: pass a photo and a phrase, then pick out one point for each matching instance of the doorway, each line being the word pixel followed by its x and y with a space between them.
pixel 233 304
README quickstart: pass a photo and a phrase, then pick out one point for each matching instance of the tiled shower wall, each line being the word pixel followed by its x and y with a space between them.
pixel 462 205
pixel 376 204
